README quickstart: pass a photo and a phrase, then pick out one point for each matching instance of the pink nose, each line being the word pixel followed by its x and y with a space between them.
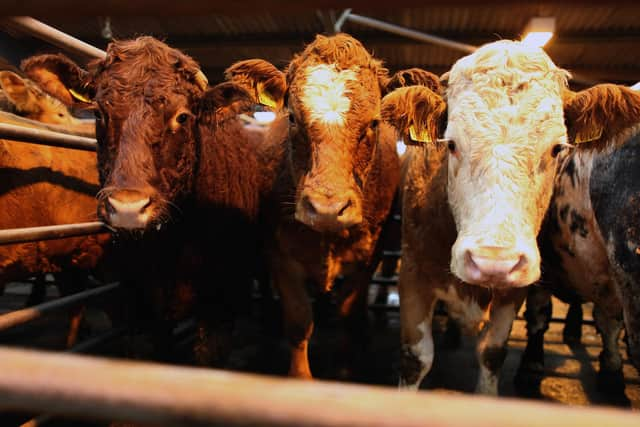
pixel 128 209
pixel 493 265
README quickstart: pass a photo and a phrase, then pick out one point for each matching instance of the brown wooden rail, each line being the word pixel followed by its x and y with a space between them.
pixel 98 388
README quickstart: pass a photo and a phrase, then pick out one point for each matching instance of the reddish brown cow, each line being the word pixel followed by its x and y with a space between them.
pixel 181 183
pixel 338 178
pixel 42 185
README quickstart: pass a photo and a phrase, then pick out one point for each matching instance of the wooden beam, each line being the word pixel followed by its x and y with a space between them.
pixel 115 390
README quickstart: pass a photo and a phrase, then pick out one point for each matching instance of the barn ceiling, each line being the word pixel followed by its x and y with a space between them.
pixel 599 42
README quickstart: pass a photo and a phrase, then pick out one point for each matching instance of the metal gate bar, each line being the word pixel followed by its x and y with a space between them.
pixel 56 37
pixel 46 137
pixel 107 389
pixel 18 317
pixel 48 232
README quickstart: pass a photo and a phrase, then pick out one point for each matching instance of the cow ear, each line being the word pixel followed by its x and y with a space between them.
pixel 595 115
pixel 416 112
pixel 18 91
pixel 60 77
pixel 261 79
pixel 224 101
pixel 413 77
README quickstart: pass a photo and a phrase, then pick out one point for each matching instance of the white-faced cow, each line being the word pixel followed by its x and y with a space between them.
pixel 591 242
pixel 473 205
pixel 339 174
pixel 181 185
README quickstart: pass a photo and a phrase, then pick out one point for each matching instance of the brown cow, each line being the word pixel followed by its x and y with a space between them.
pixel 181 184
pixel 338 178
pixel 591 240
pixel 42 185
pixel 473 205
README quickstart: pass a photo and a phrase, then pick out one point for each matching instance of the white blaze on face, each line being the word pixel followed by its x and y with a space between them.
pixel 325 93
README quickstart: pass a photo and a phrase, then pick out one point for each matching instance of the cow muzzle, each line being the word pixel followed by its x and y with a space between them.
pixel 494 266
pixel 128 209
pixel 332 213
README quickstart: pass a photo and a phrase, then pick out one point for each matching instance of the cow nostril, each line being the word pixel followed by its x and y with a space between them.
pixel 344 208
pixel 145 206
pixel 308 205
pixel 522 262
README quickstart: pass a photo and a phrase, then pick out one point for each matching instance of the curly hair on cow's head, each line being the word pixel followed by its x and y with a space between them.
pixel 148 58
pixel 342 50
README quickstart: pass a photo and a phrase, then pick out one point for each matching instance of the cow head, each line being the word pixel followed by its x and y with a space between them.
pixel 332 93
pixel 505 131
pixel 148 99
pixel 30 101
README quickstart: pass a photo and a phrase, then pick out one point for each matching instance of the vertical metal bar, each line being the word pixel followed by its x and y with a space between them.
pixel 55 37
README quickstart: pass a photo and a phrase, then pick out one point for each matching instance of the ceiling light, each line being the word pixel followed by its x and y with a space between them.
pixel 539 31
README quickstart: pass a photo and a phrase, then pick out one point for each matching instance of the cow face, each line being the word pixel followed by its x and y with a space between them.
pixel 146 98
pixel 505 130
pixel 28 100
pixel 332 94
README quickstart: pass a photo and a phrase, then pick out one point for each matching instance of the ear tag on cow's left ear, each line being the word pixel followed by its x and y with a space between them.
pixel 79 97
pixel 589 135
pixel 264 98
pixel 421 135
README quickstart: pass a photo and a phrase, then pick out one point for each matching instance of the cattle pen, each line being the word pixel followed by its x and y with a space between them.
pixel 101 389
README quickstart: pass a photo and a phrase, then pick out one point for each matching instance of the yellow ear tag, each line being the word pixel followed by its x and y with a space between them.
pixel 419 136
pixel 264 98
pixel 589 135
pixel 79 97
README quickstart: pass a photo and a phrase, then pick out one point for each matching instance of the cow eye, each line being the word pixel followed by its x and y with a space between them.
pixel 374 124
pixel 451 145
pixel 292 119
pixel 182 117
pixel 557 149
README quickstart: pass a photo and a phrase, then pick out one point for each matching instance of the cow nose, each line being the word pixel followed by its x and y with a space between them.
pixel 128 209
pixel 328 213
pixel 493 265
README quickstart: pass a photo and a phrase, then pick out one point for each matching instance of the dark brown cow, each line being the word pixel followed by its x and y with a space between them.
pixel 337 183
pixel 181 184
pixel 591 241
pixel 42 185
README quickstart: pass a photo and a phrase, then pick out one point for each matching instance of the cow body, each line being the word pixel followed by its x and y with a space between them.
pixel 181 183
pixel 590 239
pixel 338 173
pixel 42 185
pixel 474 202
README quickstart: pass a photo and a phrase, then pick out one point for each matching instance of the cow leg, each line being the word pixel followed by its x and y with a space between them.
pixel 572 332
pixel 417 303
pixel 537 316
pixel 353 309
pixel 38 291
pixel 298 316
pixel 492 344
pixel 610 376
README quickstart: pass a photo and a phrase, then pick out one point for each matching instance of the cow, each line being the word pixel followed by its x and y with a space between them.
pixel 180 183
pixel 339 173
pixel 591 239
pixel 42 185
pixel 474 201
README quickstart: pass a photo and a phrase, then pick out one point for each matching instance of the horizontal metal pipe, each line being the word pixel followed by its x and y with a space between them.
pixel 19 317
pixel 33 234
pixel 412 34
pixel 118 390
pixel 46 137
pixel 56 37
